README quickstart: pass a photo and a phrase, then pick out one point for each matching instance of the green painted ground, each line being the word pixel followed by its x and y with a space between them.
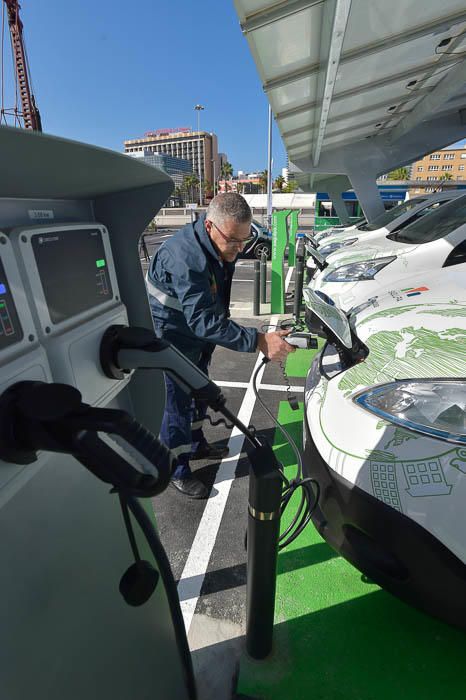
pixel 338 637
pixel 298 363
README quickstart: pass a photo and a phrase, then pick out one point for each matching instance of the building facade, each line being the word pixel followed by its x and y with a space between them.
pixel 447 164
pixel 177 168
pixel 181 143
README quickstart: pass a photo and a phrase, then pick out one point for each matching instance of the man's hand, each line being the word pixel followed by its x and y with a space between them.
pixel 273 346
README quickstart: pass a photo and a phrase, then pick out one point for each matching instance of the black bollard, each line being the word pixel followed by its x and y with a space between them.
pixel 265 488
pixel 264 277
pixel 298 288
pixel 256 298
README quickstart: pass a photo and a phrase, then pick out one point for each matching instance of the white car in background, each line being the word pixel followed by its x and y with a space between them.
pixel 429 243
pixel 389 222
pixel 385 439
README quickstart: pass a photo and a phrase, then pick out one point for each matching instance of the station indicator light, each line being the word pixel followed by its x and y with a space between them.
pixel 100 263
pixel 2 289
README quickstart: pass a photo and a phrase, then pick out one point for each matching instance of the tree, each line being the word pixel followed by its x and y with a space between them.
pixel 226 170
pixel 191 182
pixel 279 183
pixel 178 195
pixel 398 174
pixel 208 189
pixel 291 186
pixel 240 187
pixel 263 179
pixel 446 176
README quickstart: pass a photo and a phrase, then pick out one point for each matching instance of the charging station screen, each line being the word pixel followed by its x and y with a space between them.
pixel 10 327
pixel 73 271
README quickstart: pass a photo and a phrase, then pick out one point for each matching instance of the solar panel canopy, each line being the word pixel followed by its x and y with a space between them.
pixel 359 87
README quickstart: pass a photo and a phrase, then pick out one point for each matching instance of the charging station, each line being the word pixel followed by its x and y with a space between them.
pixel 70 219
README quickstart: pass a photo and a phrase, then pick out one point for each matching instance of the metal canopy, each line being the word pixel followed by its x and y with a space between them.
pixel 378 80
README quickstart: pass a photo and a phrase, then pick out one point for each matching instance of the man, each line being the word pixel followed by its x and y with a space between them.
pixel 189 285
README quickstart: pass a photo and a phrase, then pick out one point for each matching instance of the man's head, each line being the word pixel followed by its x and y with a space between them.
pixel 228 223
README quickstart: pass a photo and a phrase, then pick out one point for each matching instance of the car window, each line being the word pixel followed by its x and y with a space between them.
pixel 422 212
pixel 391 214
pixel 457 255
pixel 439 224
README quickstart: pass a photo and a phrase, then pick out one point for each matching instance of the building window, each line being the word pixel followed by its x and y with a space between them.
pixel 463 155
pixel 435 156
pixel 432 178
pixel 429 189
pixel 461 167
pixel 420 168
pixel 433 167
pixel 419 178
pixel 449 156
pixel 447 167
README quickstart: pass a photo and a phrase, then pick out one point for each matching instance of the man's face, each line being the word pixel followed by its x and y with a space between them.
pixel 230 238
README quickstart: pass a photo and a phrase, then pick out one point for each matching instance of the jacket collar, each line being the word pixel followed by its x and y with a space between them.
pixel 204 238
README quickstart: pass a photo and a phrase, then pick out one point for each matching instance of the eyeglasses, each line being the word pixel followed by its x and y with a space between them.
pixel 233 241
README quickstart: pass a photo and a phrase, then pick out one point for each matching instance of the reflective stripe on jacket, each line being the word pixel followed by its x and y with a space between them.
pixel 189 292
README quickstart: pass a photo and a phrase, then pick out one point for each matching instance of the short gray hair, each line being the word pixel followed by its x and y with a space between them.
pixel 229 205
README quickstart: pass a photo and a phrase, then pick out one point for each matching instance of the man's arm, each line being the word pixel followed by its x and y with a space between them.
pixel 193 290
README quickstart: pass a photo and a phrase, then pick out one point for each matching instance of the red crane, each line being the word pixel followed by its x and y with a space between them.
pixel 29 111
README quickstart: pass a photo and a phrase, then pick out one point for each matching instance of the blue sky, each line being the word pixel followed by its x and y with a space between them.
pixel 109 70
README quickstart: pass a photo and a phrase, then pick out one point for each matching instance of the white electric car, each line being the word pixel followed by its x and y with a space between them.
pixel 385 439
pixel 429 243
pixel 390 221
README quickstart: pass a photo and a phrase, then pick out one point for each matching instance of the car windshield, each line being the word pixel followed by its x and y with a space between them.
pixel 391 214
pixel 436 225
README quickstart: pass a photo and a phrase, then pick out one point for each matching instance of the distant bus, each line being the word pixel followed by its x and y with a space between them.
pixel 326 215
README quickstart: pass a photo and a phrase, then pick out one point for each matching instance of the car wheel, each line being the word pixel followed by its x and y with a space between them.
pixel 260 248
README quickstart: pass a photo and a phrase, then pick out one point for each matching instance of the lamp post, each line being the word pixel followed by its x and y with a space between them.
pixel 198 109
pixel 215 175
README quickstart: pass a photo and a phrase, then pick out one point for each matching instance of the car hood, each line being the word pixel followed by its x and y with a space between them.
pixel 359 252
pixel 414 330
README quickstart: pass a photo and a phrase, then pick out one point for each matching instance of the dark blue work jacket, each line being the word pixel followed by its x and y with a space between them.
pixel 189 289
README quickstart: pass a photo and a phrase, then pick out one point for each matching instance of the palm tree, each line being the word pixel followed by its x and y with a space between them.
pixel 240 187
pixel 398 174
pixel 191 182
pixel 446 176
pixel 263 179
pixel 279 182
pixel 226 171
pixel 291 186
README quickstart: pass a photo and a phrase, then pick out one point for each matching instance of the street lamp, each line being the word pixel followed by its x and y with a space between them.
pixel 215 175
pixel 198 109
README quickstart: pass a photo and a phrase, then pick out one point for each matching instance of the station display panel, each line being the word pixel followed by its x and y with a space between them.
pixel 10 326
pixel 73 271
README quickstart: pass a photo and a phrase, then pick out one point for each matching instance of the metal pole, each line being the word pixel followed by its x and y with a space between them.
pixel 298 288
pixel 269 173
pixel 198 109
pixel 264 277
pixel 256 309
pixel 215 175
pixel 265 487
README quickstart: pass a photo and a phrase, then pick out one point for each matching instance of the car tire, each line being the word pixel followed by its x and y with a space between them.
pixel 261 247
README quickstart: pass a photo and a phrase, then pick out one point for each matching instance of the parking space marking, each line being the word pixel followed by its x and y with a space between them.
pixel 192 578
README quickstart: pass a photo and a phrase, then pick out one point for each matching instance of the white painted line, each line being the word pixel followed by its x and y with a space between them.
pixel 238 280
pixel 278 387
pixel 192 578
pixel 266 387
pixel 234 385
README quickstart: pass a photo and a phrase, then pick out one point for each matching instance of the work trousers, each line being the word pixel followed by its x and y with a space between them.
pixel 182 421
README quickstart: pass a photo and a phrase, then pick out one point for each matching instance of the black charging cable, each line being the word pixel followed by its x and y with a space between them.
pixel 309 495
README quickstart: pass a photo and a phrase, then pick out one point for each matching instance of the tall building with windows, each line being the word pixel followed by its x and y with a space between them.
pixel 447 164
pixel 177 168
pixel 183 143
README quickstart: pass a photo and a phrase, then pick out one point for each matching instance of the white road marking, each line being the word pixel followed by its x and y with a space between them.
pixel 192 578
pixel 266 387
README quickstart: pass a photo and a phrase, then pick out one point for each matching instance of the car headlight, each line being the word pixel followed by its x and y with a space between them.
pixel 352 272
pixel 433 407
pixel 336 245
